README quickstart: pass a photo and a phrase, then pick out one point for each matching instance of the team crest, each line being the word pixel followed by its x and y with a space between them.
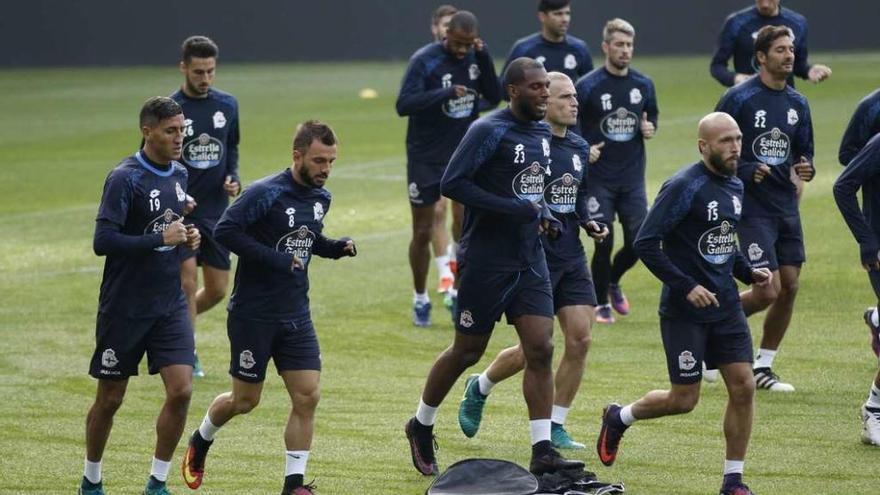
pixel 413 190
pixel 474 72
pixel 540 59
pixel 467 319
pixel 109 359
pixel 181 196
pixel 168 216
pixel 686 361
pixel 246 359
pixel 219 120
pixel 303 232
pixel 792 116
pixel 290 212
pixel 737 205
pixel 319 211
pixel 546 146
pixel 154 193
pixel 592 205
pixel 755 251
pixel 576 162
pixel 635 96
pixel 567 179
pixel 570 62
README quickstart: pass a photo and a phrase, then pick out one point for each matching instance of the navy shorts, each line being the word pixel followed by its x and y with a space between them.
pixel 629 203
pixel 120 343
pixel 572 286
pixel 423 182
pixel 293 345
pixel 771 242
pixel 210 252
pixel 484 295
pixel 688 343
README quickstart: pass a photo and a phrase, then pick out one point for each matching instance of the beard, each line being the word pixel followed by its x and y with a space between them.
pixel 529 111
pixel 720 166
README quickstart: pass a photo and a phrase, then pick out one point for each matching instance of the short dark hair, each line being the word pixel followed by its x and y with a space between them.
pixel 768 34
pixel 441 12
pixel 516 71
pixel 463 21
pixel 551 5
pixel 310 130
pixel 199 47
pixel 157 109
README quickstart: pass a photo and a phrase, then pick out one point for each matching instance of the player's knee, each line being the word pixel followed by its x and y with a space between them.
pixel 179 395
pixel 540 354
pixel 789 288
pixel 306 401
pixel 741 389
pixel 576 347
pixel 245 403
pixel 683 403
pixel 108 404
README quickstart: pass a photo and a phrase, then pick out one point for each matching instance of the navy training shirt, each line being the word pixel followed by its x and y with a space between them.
pixel 777 130
pixel 611 110
pixel 274 220
pixel 566 195
pixel 437 118
pixel 498 172
pixel 689 238
pixel 864 124
pixel 141 275
pixel 570 56
pixel 210 149
pixel 737 40
pixel 862 172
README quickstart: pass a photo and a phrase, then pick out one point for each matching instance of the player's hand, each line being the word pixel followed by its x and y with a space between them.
pixel 598 231
pixel 193 237
pixel 647 126
pixel 297 264
pixel 701 297
pixel 596 152
pixel 189 205
pixel 762 277
pixel 479 44
pixel 232 187
pixel 804 169
pixel 174 234
pixel 761 171
pixel 350 248
pixel 459 90
pixel 739 78
pixel 818 73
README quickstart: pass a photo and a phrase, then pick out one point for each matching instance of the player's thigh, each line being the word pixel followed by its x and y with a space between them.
pixel 250 347
pixel 171 341
pixel 730 341
pixel 531 295
pixel 757 241
pixel 216 279
pixel 120 343
pixel 423 182
pixel 296 347
pixel 684 342
pixel 632 208
pixel 483 295
pixel 189 271
pixel 790 243
pixel 211 253
pixel 303 387
pixel 572 286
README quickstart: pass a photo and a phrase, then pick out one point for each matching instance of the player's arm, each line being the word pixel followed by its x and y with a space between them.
pixel 478 144
pixel 326 247
pixel 231 230
pixel 112 213
pixel 663 216
pixel 864 166
pixel 586 64
pixel 723 53
pixel 414 97
pixel 490 87
pixel 232 183
pixel 801 61
pixel 803 147
pixel 650 112
pixel 858 132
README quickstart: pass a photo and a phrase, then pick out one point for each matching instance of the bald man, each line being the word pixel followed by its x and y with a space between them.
pixel 688 241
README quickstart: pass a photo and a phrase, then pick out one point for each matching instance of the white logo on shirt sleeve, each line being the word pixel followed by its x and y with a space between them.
pixel 792 116
pixel 570 62
pixel 635 96
pixel 219 120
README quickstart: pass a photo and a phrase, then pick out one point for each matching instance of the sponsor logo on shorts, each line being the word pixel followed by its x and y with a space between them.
pixel 466 319
pixel 686 361
pixel 718 244
pixel 570 62
pixel 203 152
pixel 246 360
pixel 772 148
pixel 160 224
pixel 620 125
pixel 461 107
pixel 635 96
pixel 529 182
pixel 109 359
pixel 561 194
pixel 298 243
pixel 318 210
pixel 755 252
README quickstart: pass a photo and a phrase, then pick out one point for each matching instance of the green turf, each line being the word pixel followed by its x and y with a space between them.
pixel 62 130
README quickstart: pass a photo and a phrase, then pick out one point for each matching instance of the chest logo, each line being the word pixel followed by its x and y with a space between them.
pixel 737 205
pixel 561 194
pixel 181 196
pixel 570 62
pixel 528 184
pixel 718 244
pixel 792 116
pixel 203 152
pixel 576 162
pixel 160 224
pixel 474 72
pixel 290 212
pixel 154 193
pixel 635 96
pixel 461 107
pixel 219 120
pixel 318 210
pixel 298 243
pixel 772 148
pixel 620 125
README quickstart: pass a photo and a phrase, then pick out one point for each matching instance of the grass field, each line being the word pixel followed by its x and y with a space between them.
pixel 62 130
